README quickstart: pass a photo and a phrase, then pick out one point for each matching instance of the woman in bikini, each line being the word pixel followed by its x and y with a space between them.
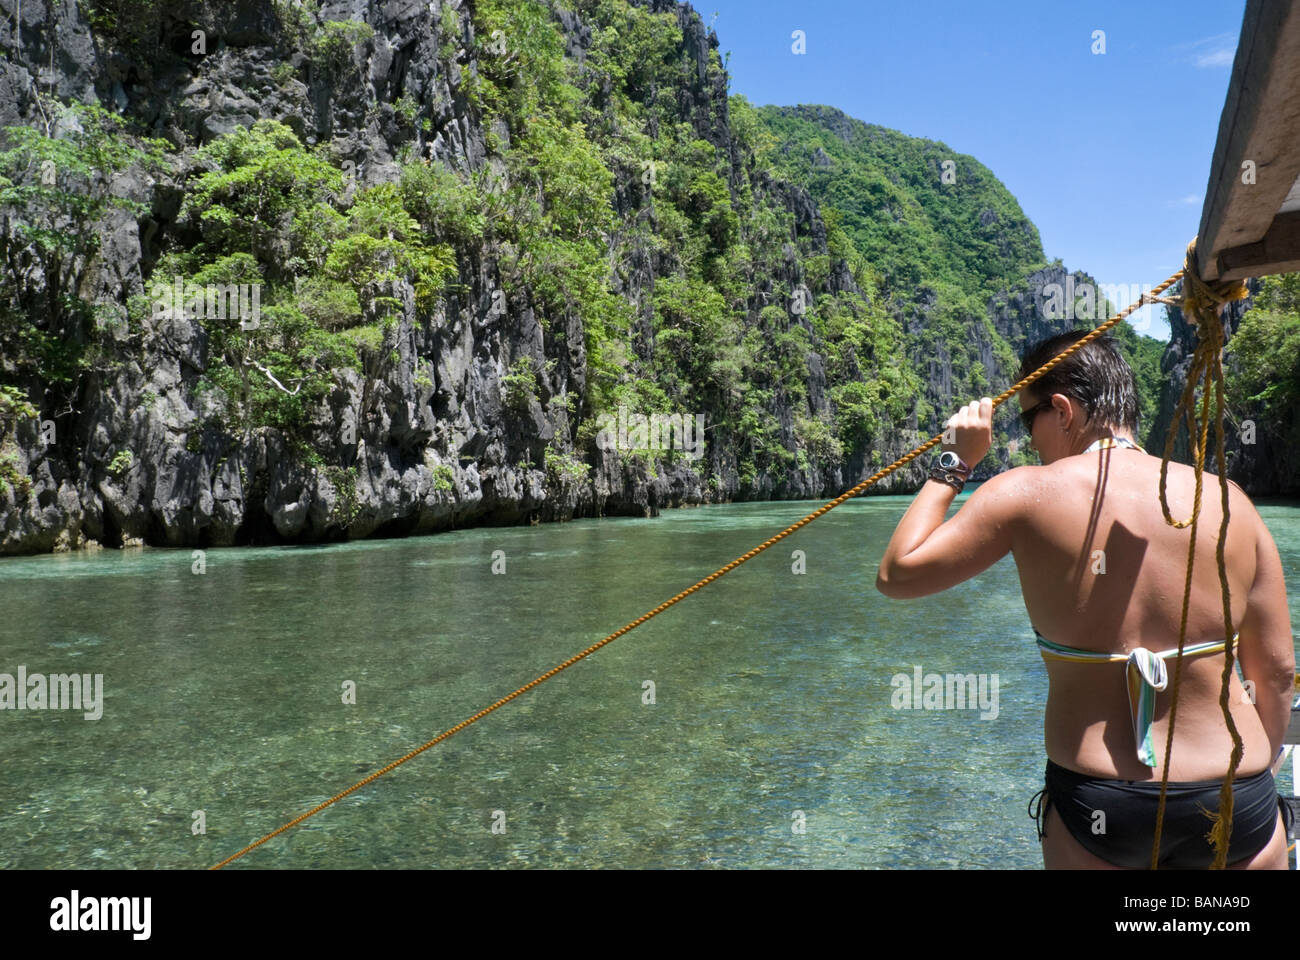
pixel 1102 575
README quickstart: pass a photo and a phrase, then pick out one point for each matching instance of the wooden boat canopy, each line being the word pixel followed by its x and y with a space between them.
pixel 1253 229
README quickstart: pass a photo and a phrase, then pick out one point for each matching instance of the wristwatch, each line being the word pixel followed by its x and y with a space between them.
pixel 951 469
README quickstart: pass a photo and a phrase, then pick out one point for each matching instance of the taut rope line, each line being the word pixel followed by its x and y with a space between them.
pixel 1001 398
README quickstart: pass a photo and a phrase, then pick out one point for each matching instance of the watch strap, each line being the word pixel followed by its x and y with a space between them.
pixel 951 477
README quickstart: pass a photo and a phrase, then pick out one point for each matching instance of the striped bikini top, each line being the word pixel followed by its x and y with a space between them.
pixel 1145 677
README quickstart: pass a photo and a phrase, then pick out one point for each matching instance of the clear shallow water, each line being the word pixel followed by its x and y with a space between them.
pixel 223 693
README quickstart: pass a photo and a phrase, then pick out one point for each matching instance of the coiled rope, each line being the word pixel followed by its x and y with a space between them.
pixel 1200 303
pixel 1146 298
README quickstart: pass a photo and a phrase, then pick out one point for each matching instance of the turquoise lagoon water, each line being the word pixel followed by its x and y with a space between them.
pixel 223 693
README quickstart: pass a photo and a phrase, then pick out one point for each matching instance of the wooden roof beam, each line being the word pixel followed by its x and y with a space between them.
pixel 1277 252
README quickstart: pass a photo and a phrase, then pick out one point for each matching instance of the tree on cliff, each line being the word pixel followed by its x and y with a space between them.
pixel 56 187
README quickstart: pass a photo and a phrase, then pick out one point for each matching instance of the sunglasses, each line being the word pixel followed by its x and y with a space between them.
pixel 1027 416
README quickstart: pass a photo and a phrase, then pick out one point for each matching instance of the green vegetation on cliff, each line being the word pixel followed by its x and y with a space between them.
pixel 265 211
pixel 919 212
pixel 54 192
pixel 941 232
pixel 1263 361
pixel 575 128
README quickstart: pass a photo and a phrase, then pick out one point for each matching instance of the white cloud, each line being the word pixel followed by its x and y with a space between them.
pixel 1210 52
pixel 1222 57
pixel 1190 199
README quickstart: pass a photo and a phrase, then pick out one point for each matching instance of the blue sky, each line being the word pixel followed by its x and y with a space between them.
pixel 1108 154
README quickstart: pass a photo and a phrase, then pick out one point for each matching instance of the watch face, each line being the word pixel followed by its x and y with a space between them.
pixel 948 460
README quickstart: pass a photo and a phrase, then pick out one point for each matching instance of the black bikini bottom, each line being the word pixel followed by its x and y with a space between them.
pixel 1116 819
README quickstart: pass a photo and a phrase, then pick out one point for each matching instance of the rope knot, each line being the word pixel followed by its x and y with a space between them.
pixel 1201 299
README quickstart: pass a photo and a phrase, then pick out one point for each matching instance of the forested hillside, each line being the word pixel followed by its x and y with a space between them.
pixel 951 249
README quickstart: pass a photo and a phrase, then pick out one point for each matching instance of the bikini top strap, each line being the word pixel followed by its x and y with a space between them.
pixel 1106 442
pixel 1059 651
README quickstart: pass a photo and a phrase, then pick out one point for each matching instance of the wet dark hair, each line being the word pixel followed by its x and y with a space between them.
pixel 1096 375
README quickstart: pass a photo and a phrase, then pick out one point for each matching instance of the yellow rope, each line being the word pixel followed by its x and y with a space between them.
pixel 721 571
pixel 1200 303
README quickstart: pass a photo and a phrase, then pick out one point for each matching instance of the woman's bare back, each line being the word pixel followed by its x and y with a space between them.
pixel 1101 570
